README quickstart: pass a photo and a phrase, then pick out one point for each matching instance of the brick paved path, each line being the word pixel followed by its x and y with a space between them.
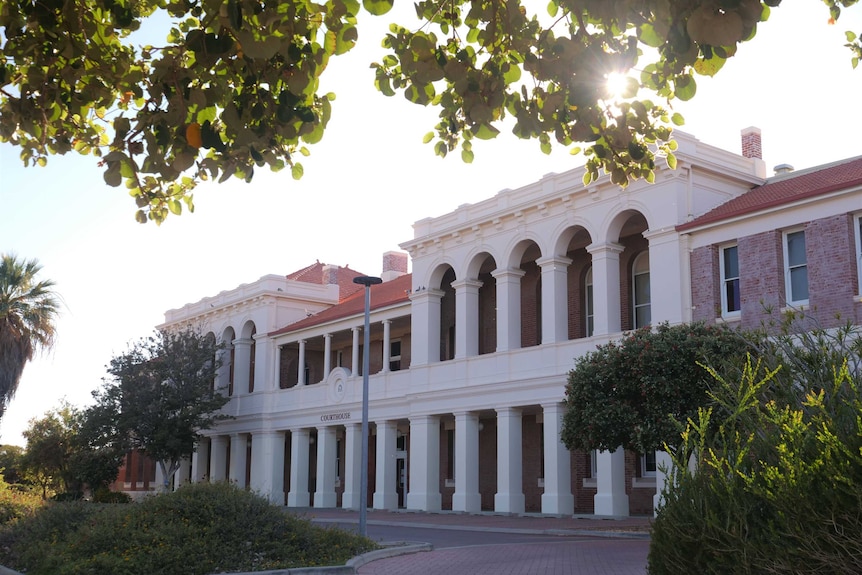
pixel 594 557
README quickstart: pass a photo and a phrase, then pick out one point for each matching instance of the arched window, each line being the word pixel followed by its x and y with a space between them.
pixel 588 302
pixel 641 290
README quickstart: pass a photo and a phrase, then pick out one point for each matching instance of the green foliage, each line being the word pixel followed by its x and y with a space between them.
pixel 16 502
pixel 65 450
pixel 105 495
pixel 768 479
pixel 161 396
pixel 632 392
pixel 28 308
pixel 235 85
pixel 10 463
pixel 200 529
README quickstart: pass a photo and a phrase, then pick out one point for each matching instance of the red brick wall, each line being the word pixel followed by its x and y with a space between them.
pixel 764 288
pixel 576 276
pixel 633 245
pixel 832 276
pixel 705 284
pixel 531 306
pixel 488 462
pixel 532 462
pixel 487 314
pixel 447 316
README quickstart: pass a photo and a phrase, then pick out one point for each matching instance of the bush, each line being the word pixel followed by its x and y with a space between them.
pixel 105 495
pixel 197 530
pixel 16 502
pixel 777 459
pixel 68 496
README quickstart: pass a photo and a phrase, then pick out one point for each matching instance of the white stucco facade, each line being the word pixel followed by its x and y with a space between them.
pixel 469 352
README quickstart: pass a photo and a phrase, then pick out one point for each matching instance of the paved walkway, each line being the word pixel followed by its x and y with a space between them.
pixel 587 545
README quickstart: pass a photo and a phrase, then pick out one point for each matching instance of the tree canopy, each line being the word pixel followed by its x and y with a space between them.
pixel 161 396
pixel 636 392
pixel 234 86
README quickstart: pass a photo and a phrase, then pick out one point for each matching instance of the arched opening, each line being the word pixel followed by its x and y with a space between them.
pixel 641 299
pixel 447 316
pixel 589 314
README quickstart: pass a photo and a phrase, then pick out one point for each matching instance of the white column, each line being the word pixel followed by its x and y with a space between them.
pixel 354 358
pixel 555 300
pixel 424 492
pixel 324 495
pixel 238 458
pixel 160 479
pixel 218 458
pixel 242 365
pixel 557 498
pixel 200 460
pixel 606 288
pixel 352 453
pixel 510 491
pixel 298 495
pixel 466 318
pixel 508 308
pixel 181 477
pixel 277 372
pixel 385 492
pixel 327 355
pixel 300 375
pixel 663 465
pixel 611 498
pixel 665 261
pixel 466 496
pixel 267 465
pixel 387 328
pixel 425 326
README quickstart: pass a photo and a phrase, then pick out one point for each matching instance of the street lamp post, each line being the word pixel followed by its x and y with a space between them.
pixel 367 281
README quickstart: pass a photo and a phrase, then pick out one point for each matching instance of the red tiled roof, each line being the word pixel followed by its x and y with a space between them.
pixel 382 295
pixel 315 274
pixel 786 189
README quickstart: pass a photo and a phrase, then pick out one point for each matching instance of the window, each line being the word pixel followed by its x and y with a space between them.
pixel 795 268
pixel 339 358
pixel 729 263
pixel 594 468
pixel 395 355
pixel 588 302
pixel 647 464
pixel 859 253
pixel 641 290
pixel 450 454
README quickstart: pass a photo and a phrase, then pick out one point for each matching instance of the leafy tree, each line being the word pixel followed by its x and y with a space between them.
pixel 161 396
pixel 28 309
pixel 10 462
pixel 632 393
pixel 768 477
pixel 235 84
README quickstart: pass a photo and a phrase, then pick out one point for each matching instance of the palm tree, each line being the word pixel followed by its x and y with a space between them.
pixel 28 309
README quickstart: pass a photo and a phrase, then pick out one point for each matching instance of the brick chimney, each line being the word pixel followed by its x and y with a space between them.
pixel 394 265
pixel 751 147
pixel 330 274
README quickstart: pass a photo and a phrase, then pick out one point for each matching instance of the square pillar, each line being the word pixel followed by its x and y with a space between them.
pixel 557 498
pixel 611 498
pixel 238 458
pixel 508 308
pixel 425 326
pixel 324 496
pixel 387 338
pixel 300 376
pixel 555 301
pixel 466 496
pixel 200 460
pixel 510 492
pixel 298 496
pixel 666 258
pixel 663 469
pixel 467 318
pixel 424 491
pixel 327 355
pixel 267 465
pixel 385 493
pixel 183 474
pixel 352 456
pixel 242 366
pixel 606 288
pixel 218 458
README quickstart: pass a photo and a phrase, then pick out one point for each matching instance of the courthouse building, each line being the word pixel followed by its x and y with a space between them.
pixel 469 353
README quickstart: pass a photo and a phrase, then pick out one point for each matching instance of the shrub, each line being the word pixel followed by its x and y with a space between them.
pixel 769 477
pixel 105 495
pixel 199 529
pixel 16 502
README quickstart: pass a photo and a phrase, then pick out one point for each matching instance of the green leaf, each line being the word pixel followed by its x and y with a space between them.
pixel 486 132
pixel 677 119
pixel 297 171
pixel 377 7
pixel 685 88
pixel 467 156
pixel 175 206
pixel 428 137
pixel 671 161
pixel 553 8
pixel 648 35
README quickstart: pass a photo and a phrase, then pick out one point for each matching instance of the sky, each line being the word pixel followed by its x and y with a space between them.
pixel 364 186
